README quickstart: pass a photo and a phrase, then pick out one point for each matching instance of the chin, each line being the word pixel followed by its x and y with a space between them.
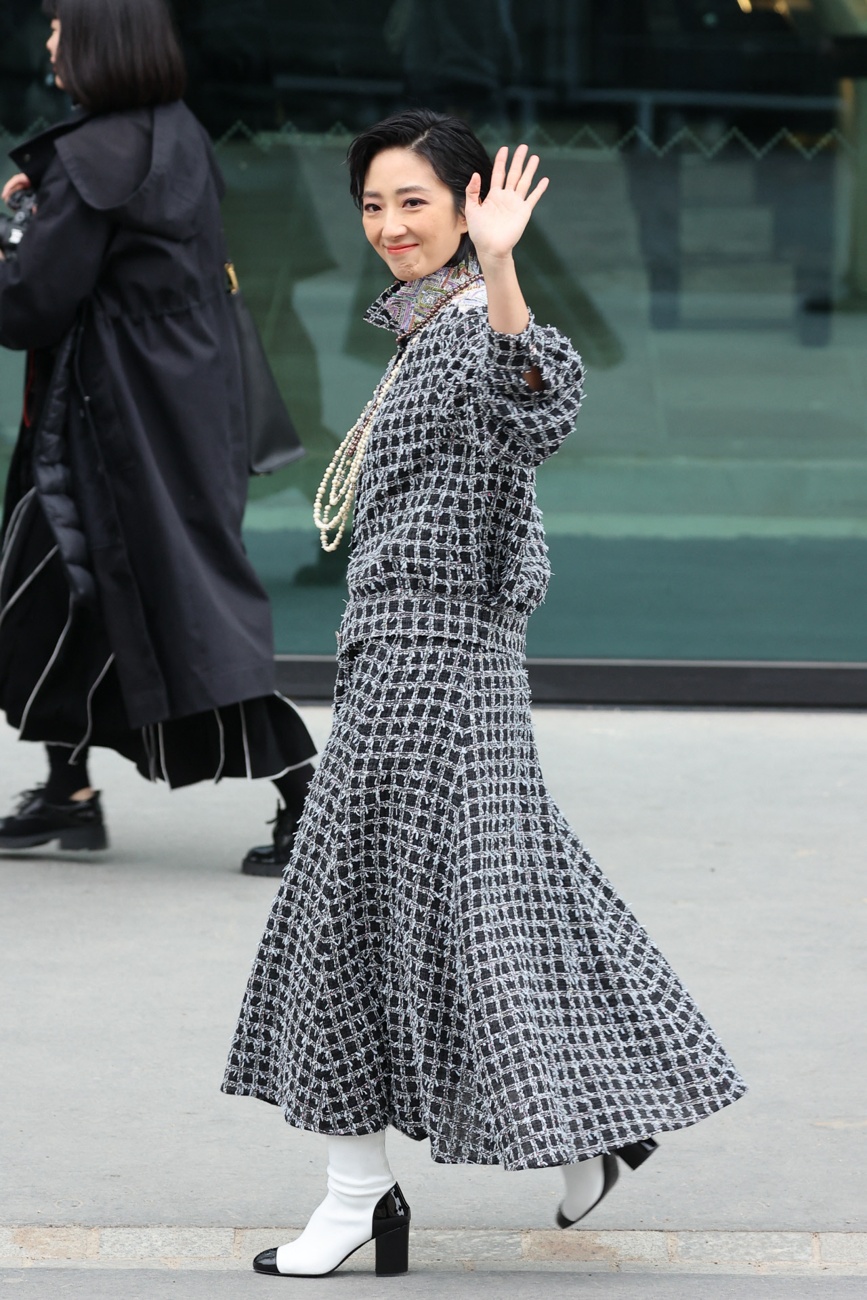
pixel 414 271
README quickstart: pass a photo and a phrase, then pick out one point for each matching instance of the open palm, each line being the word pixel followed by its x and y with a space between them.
pixel 496 224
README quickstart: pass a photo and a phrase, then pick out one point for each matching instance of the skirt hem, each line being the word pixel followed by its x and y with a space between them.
pixel 571 1156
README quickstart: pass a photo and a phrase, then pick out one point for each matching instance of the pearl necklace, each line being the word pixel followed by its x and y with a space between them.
pixel 341 477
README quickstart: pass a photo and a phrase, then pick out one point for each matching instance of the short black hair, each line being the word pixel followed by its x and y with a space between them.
pixel 448 143
pixel 118 54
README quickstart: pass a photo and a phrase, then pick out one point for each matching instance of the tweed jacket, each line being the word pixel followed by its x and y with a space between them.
pixel 447 536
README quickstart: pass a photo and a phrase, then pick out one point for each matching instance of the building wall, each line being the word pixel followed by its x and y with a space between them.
pixel 701 243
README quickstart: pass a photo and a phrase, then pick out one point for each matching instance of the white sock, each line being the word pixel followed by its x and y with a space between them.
pixel 358 1177
pixel 584 1184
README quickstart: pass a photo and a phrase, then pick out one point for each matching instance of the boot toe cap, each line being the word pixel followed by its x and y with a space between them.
pixel 266 1262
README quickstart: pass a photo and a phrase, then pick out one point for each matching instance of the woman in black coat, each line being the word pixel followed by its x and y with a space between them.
pixel 130 615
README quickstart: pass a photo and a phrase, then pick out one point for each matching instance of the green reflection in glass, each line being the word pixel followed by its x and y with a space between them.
pixel 712 502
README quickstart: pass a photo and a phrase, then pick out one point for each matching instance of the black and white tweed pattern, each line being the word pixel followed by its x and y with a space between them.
pixel 443 955
pixel 447 497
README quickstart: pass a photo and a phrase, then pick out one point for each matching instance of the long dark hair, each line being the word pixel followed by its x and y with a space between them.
pixel 448 144
pixel 118 54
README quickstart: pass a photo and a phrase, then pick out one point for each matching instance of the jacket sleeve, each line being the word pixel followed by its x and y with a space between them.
pixel 57 267
pixel 522 425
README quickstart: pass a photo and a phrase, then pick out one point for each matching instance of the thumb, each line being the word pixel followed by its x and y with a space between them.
pixel 474 189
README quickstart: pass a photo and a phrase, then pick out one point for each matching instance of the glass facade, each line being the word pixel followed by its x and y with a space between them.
pixel 704 242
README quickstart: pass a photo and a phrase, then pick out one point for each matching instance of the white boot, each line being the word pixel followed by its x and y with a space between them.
pixel 586 1184
pixel 363 1203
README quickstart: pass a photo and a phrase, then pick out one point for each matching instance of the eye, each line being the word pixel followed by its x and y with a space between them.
pixel 414 203
pixel 371 207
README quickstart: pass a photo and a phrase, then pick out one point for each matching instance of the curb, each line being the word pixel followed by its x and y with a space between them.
pixel 223 1249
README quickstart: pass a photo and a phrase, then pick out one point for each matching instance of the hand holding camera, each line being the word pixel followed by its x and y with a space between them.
pixel 21 198
pixel 17 182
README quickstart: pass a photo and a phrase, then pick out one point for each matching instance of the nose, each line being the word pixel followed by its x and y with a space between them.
pixel 393 226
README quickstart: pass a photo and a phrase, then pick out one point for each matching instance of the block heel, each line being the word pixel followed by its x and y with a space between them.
pixel 74 825
pixel 388 1229
pixel 392 1252
pixel 83 838
pixel 635 1154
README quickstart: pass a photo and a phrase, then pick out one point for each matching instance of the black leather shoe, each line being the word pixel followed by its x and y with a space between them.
pixel 75 825
pixel 389 1230
pixel 270 859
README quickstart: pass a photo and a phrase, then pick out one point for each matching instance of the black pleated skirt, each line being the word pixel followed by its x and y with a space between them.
pixel 59 683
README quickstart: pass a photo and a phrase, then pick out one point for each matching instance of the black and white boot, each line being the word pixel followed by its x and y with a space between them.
pixel 590 1181
pixel 363 1204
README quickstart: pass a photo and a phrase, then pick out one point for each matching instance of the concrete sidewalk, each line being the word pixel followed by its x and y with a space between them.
pixel 149 1284
pixel 737 838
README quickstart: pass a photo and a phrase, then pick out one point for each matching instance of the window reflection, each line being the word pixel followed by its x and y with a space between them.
pixel 704 242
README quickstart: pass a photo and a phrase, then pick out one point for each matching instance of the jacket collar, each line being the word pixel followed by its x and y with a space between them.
pixel 407 304
pixel 34 155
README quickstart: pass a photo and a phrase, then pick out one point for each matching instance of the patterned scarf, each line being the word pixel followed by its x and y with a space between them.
pixel 410 303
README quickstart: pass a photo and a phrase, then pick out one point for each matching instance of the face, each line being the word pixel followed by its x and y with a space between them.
pixel 409 215
pixel 52 45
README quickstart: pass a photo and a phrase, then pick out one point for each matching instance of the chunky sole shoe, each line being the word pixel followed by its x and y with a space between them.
pixel 270 859
pixel 390 1234
pixel 76 838
pixel 77 825
pixel 258 862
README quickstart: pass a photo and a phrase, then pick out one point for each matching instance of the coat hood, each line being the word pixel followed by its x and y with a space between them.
pixel 147 168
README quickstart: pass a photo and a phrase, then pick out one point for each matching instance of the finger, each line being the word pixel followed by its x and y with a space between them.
pixel 19 182
pixel 517 167
pixel 474 189
pixel 498 176
pixel 540 189
pixel 523 186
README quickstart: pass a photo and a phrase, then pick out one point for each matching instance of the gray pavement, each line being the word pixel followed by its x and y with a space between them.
pixel 149 1284
pixel 736 836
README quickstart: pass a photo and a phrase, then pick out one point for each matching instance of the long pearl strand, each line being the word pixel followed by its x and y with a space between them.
pixel 341 477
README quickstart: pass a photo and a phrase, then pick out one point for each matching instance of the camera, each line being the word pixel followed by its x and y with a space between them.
pixel 12 229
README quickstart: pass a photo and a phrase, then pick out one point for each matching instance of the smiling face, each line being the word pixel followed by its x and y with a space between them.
pixel 52 45
pixel 409 215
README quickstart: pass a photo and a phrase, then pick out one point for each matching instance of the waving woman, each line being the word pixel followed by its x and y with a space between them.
pixel 130 616
pixel 444 956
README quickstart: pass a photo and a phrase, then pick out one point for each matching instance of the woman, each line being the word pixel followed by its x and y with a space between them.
pixel 444 956
pixel 130 616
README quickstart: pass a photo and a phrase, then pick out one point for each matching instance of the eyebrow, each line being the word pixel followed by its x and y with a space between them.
pixel 404 189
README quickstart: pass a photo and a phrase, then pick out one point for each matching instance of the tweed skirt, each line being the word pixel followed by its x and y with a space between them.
pixel 444 956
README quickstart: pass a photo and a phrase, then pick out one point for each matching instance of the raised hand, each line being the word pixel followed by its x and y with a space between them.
pixel 496 225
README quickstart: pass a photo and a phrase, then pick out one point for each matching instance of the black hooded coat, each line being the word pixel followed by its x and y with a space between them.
pixel 139 453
